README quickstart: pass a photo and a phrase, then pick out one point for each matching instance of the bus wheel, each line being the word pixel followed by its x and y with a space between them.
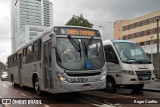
pixel 37 87
pixel 13 82
pixel 111 86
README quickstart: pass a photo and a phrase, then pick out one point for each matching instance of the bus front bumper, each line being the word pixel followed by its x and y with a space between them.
pixel 61 87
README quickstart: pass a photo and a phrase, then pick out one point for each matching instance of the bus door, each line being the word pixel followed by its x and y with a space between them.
pixel 47 70
pixel 20 68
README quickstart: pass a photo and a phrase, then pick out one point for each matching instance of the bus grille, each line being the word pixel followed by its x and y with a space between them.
pixel 83 74
pixel 143 75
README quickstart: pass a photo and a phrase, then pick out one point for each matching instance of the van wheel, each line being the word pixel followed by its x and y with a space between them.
pixel 137 88
pixel 37 87
pixel 111 86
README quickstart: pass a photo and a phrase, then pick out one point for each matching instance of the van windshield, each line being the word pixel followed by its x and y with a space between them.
pixel 131 53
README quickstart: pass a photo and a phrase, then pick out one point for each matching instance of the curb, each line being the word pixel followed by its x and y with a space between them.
pixel 150 90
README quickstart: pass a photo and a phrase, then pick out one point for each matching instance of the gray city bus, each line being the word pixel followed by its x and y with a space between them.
pixel 61 59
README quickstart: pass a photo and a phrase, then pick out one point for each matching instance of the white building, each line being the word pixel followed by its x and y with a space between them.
pixel 35 13
pixel 27 33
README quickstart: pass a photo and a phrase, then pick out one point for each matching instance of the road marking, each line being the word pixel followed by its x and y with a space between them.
pixel 16 91
pixel 6 105
pixel 23 94
pixel 125 96
pixel 115 94
pixel 4 85
pixel 46 105
pixel 98 105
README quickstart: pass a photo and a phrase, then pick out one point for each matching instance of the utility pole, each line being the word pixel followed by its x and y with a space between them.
pixel 158 58
pixel 151 48
pixel 103 31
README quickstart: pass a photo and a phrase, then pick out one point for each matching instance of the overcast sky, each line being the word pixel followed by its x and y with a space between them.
pixel 98 12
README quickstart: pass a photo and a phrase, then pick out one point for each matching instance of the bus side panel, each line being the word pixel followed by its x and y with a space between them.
pixel 15 74
pixel 9 74
pixel 27 74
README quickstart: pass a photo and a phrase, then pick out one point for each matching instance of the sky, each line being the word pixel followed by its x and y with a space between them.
pixel 98 12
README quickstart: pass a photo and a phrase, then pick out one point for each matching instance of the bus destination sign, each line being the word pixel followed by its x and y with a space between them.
pixel 76 31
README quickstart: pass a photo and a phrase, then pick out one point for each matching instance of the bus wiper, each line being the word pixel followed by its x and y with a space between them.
pixel 86 46
pixel 90 41
pixel 74 43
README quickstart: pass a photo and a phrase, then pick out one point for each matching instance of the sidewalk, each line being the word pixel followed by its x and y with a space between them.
pixel 155 86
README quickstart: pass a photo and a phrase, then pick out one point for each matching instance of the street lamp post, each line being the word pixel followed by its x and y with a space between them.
pixel 103 31
pixel 158 48
pixel 151 49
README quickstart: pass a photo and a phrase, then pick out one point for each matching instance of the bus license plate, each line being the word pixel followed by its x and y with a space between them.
pixel 77 80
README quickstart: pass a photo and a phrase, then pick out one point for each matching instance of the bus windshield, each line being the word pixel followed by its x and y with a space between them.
pixel 131 53
pixel 69 58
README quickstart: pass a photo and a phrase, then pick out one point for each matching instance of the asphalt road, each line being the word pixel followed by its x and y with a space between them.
pixel 122 98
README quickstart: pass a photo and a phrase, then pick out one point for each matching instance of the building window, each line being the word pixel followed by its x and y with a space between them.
pixel 135 25
pixel 141 43
pixel 141 23
pixel 154 30
pixel 142 33
pixel 155 41
pixel 155 19
pixel 124 37
pixel 135 35
pixel 148 42
pixel 148 21
pixel 148 32
pixel 129 27
pixel 33 33
pixel 129 36
pixel 33 29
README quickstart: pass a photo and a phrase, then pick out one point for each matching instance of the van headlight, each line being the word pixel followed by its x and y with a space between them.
pixel 103 75
pixel 62 78
pixel 130 72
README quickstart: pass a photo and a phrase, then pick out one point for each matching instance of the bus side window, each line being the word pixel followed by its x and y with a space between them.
pixel 110 54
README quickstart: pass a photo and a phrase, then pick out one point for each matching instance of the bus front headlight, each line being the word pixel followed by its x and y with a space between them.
pixel 128 72
pixel 103 76
pixel 62 78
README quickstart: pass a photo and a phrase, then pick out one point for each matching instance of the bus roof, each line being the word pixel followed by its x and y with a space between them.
pixel 45 32
pixel 105 42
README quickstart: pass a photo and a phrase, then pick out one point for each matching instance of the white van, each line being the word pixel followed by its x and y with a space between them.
pixel 127 65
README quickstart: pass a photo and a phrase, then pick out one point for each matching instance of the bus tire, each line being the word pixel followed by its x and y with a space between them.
pixel 111 86
pixel 37 87
pixel 13 82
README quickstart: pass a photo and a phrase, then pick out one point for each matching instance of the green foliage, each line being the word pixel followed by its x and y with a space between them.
pixel 79 21
pixel 1 65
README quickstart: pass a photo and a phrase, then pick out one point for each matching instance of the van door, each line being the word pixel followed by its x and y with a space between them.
pixel 112 62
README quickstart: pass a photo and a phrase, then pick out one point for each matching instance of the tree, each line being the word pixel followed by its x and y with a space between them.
pixel 79 21
pixel 1 65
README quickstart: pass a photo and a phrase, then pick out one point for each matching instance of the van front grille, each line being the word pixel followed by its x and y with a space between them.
pixel 143 75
